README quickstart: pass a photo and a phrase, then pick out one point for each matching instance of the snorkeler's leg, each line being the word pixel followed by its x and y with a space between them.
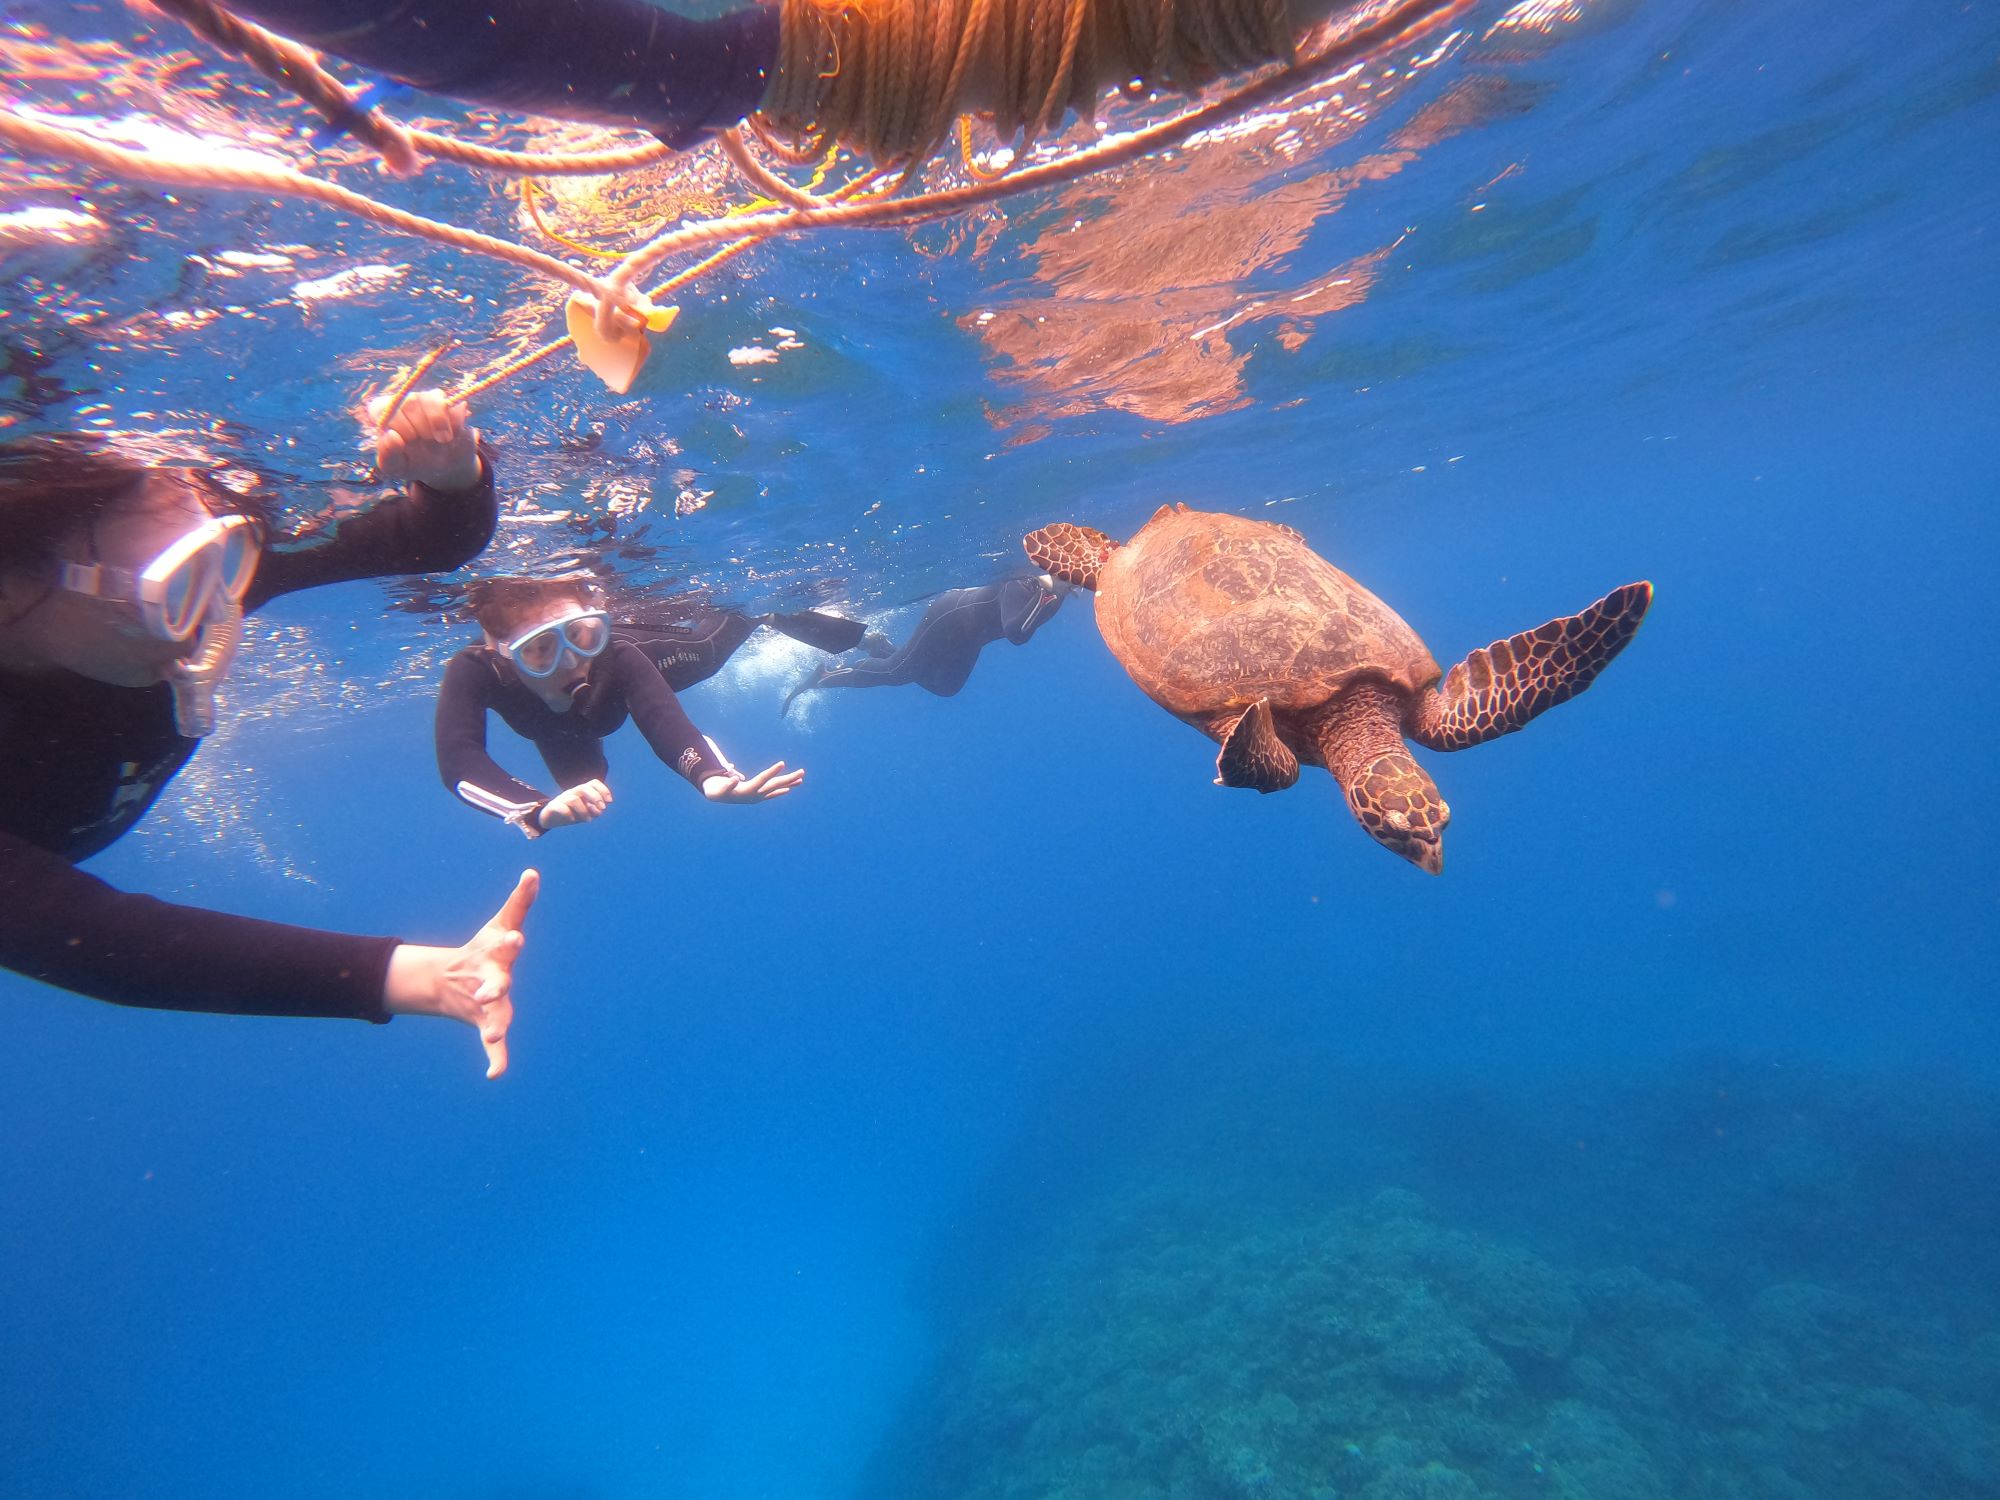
pixel 610 62
pixel 887 671
pixel 945 646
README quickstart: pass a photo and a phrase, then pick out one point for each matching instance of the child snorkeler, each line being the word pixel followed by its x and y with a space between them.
pixel 562 674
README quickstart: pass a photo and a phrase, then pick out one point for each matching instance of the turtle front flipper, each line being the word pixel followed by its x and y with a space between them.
pixel 1069 552
pixel 1497 689
pixel 1252 754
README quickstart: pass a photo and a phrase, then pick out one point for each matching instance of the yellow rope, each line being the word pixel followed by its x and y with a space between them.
pixel 858 188
pixel 409 383
pixel 528 187
pixel 966 158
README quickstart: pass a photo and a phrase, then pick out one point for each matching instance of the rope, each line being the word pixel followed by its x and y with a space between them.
pixel 408 383
pixel 857 188
pixel 287 63
pixel 540 163
pixel 889 77
pixel 34 137
pixel 1393 27
pixel 296 68
pixel 886 77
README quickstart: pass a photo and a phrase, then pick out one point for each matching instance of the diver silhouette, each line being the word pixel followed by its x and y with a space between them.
pixel 959 624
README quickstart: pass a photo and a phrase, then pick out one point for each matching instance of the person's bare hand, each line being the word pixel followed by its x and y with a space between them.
pixel 581 803
pixel 772 781
pixel 430 441
pixel 472 983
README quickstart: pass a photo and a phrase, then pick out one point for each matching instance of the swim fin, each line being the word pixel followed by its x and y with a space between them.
pixel 832 634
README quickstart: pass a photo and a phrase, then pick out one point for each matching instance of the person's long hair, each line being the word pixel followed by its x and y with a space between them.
pixel 52 483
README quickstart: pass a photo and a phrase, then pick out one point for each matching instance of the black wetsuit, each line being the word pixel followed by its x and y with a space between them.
pixel 941 651
pixel 647 662
pixel 611 62
pixel 81 761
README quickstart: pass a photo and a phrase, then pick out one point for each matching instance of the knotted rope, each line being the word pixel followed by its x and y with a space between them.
pixel 886 78
pixel 889 78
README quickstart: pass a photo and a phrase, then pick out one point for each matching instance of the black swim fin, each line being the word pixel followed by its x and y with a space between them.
pixel 803 685
pixel 832 634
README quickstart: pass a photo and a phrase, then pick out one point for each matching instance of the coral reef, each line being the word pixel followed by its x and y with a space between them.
pixel 1167 1342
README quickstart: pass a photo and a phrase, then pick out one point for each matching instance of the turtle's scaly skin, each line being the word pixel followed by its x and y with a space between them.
pixel 1500 687
pixel 1211 612
pixel 1069 552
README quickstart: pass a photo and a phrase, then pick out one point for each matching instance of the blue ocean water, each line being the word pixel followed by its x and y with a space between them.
pixel 1011 1111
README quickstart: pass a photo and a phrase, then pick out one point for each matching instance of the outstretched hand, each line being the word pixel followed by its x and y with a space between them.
pixel 472 983
pixel 772 781
pixel 431 441
pixel 581 803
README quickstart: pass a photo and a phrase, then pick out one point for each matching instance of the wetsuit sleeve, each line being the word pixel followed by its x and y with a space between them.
pixel 420 531
pixel 661 719
pixel 468 771
pixel 573 761
pixel 610 62
pixel 69 929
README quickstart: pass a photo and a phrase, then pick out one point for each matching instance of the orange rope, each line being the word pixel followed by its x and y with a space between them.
pixel 672 284
pixel 886 77
pixel 1396 26
pixel 37 138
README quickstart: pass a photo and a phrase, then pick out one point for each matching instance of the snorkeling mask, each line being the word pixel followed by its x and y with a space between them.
pixel 196 585
pixel 538 653
pixel 213 563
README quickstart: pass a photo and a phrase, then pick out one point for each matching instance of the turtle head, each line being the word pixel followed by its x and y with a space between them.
pixel 1395 800
pixel 1072 554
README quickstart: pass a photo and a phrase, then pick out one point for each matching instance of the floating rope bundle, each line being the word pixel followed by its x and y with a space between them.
pixel 887 79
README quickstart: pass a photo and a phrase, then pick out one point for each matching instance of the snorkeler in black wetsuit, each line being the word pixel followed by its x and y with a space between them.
pixel 960 623
pixel 562 675
pixel 122 595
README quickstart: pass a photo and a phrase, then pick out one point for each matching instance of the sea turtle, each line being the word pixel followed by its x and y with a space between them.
pixel 1242 630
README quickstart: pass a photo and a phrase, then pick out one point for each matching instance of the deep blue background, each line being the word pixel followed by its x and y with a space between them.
pixel 766 1057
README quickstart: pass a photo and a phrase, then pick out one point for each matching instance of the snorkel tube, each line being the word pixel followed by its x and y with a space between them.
pixel 1048 600
pixel 194 679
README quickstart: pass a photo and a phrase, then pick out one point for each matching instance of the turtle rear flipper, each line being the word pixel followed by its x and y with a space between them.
pixel 1252 754
pixel 1069 552
pixel 1500 687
